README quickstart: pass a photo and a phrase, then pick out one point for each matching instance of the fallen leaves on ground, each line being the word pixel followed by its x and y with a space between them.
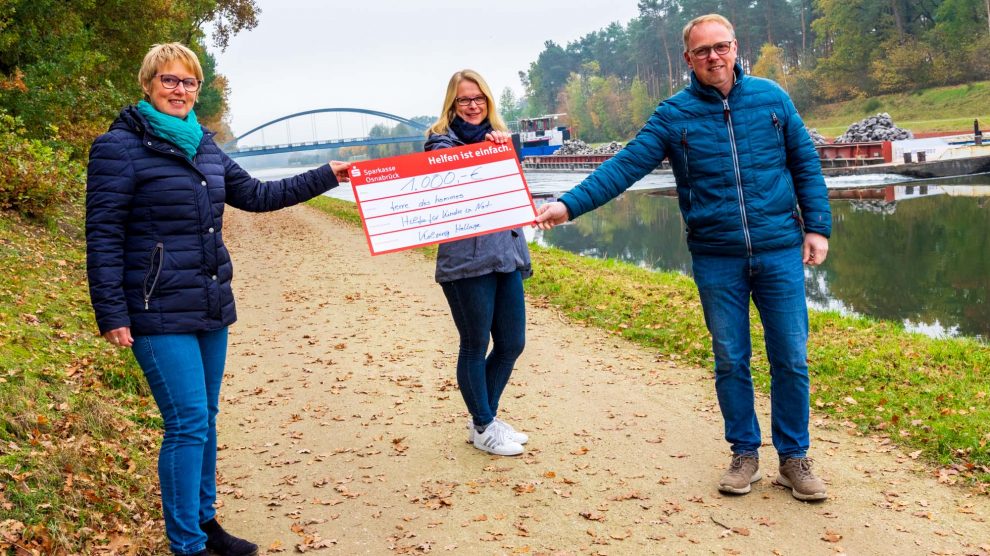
pixel 831 536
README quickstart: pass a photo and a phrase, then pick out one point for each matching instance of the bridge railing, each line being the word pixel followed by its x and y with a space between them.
pixel 231 146
pixel 318 145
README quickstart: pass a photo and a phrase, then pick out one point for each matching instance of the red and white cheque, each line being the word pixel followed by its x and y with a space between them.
pixel 438 196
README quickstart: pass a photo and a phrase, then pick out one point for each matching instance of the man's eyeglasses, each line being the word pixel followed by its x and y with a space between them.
pixel 465 101
pixel 190 84
pixel 720 48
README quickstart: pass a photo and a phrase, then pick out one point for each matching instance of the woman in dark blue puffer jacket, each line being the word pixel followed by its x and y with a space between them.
pixel 482 278
pixel 159 273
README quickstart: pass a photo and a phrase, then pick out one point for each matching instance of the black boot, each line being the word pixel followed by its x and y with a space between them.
pixel 223 543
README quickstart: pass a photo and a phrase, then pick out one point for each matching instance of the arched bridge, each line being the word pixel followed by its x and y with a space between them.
pixel 234 150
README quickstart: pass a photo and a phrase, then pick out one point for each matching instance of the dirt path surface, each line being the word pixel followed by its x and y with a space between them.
pixel 342 432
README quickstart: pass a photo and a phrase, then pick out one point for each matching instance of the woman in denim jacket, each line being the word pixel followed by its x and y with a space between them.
pixel 482 277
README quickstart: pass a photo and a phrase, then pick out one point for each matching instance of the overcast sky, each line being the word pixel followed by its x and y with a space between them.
pixel 392 55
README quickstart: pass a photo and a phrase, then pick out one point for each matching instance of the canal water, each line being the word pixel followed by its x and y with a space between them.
pixel 915 252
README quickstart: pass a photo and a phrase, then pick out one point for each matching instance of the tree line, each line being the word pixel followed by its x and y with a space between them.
pixel 68 66
pixel 821 51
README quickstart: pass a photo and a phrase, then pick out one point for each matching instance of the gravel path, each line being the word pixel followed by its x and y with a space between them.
pixel 342 432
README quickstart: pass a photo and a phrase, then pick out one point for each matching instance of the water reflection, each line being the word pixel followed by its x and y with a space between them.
pixel 637 228
pixel 915 253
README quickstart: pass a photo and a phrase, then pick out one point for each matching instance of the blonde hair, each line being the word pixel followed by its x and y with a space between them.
pixel 710 18
pixel 448 111
pixel 161 55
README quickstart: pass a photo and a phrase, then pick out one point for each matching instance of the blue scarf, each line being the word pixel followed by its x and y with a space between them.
pixel 468 132
pixel 185 134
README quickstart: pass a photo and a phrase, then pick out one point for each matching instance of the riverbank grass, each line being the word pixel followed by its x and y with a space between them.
pixel 79 431
pixel 931 397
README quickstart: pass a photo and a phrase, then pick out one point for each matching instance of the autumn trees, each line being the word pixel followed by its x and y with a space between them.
pixel 820 50
pixel 67 66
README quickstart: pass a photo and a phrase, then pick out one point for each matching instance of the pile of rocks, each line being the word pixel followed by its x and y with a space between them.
pixel 577 146
pixel 874 206
pixel 874 128
pixel 816 138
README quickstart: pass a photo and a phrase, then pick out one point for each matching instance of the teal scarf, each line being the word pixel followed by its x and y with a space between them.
pixel 185 134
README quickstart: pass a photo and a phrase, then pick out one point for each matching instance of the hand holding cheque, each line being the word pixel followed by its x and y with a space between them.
pixel 551 214
pixel 340 170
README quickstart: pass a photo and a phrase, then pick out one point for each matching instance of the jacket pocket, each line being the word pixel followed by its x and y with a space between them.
pixel 155 265
pixel 685 147
pixel 686 155
pixel 779 131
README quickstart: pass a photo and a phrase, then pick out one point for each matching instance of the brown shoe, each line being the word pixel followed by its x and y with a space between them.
pixel 796 474
pixel 743 471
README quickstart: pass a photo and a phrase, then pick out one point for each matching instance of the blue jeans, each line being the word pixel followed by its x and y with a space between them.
pixel 184 372
pixel 487 306
pixel 775 280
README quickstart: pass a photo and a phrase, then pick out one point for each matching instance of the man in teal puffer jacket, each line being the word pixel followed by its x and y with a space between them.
pixel 755 208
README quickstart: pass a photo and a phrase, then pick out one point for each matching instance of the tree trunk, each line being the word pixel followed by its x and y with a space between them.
pixel 769 13
pixel 670 65
pixel 898 17
pixel 804 30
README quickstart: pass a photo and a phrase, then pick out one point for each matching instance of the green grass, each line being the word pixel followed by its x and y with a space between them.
pixel 347 212
pixel 927 110
pixel 79 432
pixel 870 376
pixel 342 210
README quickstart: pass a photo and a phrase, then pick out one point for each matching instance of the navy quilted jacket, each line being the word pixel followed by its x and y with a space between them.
pixel 154 219
pixel 748 176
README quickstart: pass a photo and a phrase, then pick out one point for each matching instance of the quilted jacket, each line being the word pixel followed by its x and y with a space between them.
pixel 748 176
pixel 154 219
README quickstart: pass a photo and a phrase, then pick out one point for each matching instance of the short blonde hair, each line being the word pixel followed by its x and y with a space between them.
pixel 161 55
pixel 448 111
pixel 710 18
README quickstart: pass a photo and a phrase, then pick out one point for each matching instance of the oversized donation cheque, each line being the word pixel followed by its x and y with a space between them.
pixel 438 196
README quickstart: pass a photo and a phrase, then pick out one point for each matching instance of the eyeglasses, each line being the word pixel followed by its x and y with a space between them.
pixel 465 101
pixel 720 48
pixel 190 84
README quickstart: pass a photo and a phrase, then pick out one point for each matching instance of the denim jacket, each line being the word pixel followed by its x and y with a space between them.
pixel 504 251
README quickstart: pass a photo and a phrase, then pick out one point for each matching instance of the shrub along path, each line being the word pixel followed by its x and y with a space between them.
pixel 341 428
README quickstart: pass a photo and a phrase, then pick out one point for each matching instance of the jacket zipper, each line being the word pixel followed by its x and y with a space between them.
pixel 154 272
pixel 735 166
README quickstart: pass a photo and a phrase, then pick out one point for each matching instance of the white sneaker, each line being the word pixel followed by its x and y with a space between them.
pixel 514 435
pixel 495 440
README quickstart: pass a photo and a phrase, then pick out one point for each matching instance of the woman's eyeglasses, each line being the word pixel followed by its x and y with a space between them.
pixel 190 84
pixel 465 101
